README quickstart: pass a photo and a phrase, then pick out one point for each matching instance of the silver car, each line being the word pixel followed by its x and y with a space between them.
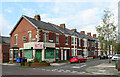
pixel 116 57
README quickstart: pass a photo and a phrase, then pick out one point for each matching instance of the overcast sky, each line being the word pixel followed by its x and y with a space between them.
pixel 82 15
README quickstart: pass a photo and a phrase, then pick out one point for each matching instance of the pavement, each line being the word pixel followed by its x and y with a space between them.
pixel 103 69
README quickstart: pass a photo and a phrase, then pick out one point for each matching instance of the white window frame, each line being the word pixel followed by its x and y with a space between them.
pixel 16 39
pixel 67 40
pixel 79 42
pixel 30 36
pixel 72 40
pixel 47 37
pixel 75 41
pixel 58 38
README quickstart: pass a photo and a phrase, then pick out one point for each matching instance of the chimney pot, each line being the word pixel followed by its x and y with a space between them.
pixel 83 32
pixel 89 34
pixel 62 25
pixel 37 17
pixel 94 35
pixel 74 30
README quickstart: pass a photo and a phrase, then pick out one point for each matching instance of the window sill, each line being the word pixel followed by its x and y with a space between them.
pixel 66 43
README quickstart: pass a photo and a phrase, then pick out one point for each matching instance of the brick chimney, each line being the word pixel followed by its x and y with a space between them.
pixel 74 30
pixel 94 35
pixel 83 32
pixel 37 17
pixel 89 34
pixel 62 25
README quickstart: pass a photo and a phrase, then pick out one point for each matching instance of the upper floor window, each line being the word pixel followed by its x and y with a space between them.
pixel 29 36
pixel 57 38
pixel 43 36
pixel 72 40
pixel 66 39
pixel 83 42
pixel 93 44
pixel 99 44
pixel 15 39
pixel 79 41
pixel 47 37
pixel 75 41
pixel 88 44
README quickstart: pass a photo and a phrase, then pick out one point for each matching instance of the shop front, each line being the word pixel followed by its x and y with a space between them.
pixel 40 50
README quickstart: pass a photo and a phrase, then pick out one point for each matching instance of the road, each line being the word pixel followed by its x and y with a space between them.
pixel 68 69
pixel 78 68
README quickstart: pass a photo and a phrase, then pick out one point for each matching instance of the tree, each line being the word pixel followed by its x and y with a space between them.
pixel 107 30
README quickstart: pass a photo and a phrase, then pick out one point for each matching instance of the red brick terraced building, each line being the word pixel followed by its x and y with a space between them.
pixel 32 38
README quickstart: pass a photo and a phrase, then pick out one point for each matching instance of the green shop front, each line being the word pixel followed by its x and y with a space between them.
pixel 40 50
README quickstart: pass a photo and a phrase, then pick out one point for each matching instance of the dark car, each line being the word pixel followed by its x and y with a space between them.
pixel 103 57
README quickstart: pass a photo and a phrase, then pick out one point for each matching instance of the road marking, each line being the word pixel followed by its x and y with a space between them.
pixel 78 66
pixel 74 71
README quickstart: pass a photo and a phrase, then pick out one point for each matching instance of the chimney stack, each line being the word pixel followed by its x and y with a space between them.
pixel 94 35
pixel 89 34
pixel 83 32
pixel 37 17
pixel 74 30
pixel 62 25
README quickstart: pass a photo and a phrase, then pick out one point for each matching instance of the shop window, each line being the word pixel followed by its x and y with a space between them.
pixel 28 54
pixel 57 53
pixel 15 53
pixel 49 53
pixel 11 54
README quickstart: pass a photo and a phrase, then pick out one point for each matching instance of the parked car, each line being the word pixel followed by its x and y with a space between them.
pixel 103 57
pixel 110 56
pixel 77 58
pixel 116 57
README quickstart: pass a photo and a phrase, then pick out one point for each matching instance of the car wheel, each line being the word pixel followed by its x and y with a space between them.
pixel 78 61
pixel 70 62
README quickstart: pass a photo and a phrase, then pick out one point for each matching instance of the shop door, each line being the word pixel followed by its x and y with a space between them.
pixel 38 54
pixel 68 55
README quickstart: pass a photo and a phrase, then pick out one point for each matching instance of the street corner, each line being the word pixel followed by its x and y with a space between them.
pixel 102 69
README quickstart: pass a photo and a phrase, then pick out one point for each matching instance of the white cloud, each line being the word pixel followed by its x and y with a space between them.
pixel 29 11
pixel 5 27
pixel 9 10
pixel 85 20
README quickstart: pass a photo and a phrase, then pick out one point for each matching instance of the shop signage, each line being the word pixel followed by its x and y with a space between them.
pixel 38 45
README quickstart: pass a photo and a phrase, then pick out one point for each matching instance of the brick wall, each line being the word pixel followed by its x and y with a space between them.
pixel 22 30
pixel 1 53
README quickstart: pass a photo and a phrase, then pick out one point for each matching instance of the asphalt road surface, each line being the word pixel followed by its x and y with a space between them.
pixel 68 69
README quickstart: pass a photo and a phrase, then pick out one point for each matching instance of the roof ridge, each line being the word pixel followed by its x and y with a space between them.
pixel 55 27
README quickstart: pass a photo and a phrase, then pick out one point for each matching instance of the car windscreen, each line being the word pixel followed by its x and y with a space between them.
pixel 117 55
pixel 80 56
pixel 73 57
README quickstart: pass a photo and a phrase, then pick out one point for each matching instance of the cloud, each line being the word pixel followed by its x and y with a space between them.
pixel 5 27
pixel 9 10
pixel 29 11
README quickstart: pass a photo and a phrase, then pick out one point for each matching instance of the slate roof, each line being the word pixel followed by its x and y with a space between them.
pixel 37 24
pixel 4 40
pixel 53 27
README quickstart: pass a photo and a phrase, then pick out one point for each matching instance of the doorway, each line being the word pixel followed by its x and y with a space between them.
pixel 38 54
